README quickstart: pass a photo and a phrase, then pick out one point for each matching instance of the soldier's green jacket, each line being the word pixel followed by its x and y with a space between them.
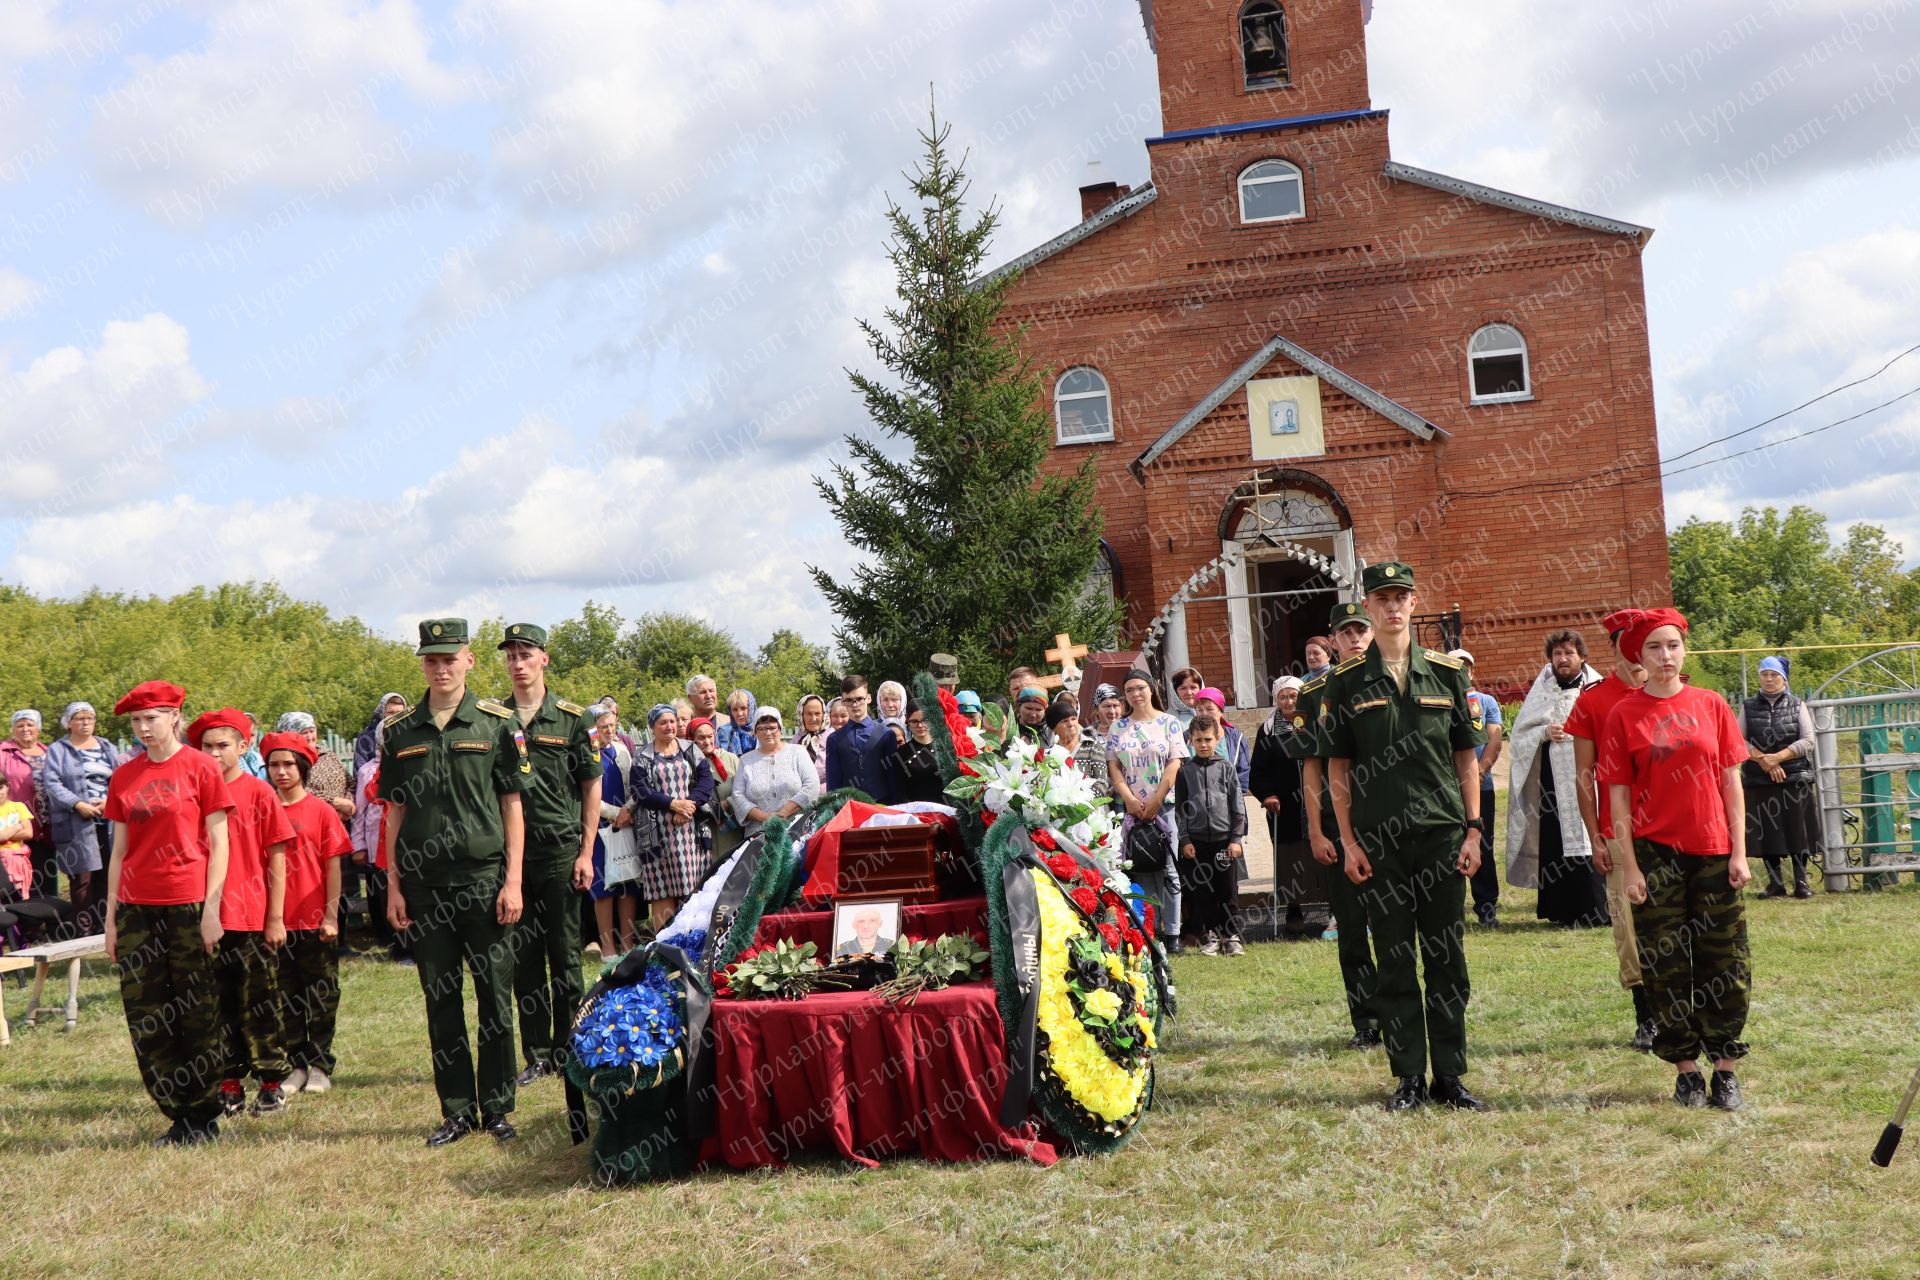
pixel 560 755
pixel 451 781
pixel 1400 745
pixel 1306 744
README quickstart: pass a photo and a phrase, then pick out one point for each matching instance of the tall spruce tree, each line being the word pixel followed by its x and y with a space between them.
pixel 967 547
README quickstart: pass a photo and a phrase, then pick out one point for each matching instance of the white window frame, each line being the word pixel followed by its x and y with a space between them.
pixel 1526 366
pixel 1104 393
pixel 1293 175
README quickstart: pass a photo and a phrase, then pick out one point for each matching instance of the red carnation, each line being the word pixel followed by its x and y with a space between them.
pixel 1062 866
pixel 1135 939
pixel 1111 933
pixel 1085 900
pixel 987 816
pixel 1044 838
pixel 1149 917
pixel 1089 877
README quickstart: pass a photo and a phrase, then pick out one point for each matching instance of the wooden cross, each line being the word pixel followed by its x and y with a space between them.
pixel 1067 654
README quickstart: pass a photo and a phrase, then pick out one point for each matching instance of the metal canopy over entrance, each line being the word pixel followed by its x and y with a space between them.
pixel 1866 722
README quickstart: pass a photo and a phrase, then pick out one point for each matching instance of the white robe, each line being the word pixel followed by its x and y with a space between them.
pixel 1546 704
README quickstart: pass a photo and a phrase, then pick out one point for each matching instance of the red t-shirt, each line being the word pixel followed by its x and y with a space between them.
pixel 1671 753
pixel 257 823
pixel 165 808
pixel 318 834
pixel 1588 718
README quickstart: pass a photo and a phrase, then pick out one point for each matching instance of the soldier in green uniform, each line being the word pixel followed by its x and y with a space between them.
pixel 560 768
pixel 1352 632
pixel 450 776
pixel 1399 736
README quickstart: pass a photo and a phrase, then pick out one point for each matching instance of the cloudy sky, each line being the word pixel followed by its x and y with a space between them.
pixel 489 307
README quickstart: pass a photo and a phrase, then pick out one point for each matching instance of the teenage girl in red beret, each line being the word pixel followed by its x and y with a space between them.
pixel 1670 759
pixel 168 806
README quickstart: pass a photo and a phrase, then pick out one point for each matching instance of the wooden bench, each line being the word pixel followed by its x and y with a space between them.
pixel 42 958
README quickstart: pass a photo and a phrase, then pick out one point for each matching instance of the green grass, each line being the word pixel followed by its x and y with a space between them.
pixel 1268 1154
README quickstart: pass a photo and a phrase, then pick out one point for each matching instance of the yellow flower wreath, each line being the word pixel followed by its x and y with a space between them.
pixel 1096 1082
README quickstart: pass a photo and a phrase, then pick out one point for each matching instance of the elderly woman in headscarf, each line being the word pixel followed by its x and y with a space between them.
pixel 1778 778
pixel 671 781
pixel 21 759
pixel 75 772
pixel 1274 781
pixel 328 777
pixel 390 704
pixel 811 736
pixel 734 731
pixel 890 701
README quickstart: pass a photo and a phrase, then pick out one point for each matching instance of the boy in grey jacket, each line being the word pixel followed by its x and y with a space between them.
pixel 1212 818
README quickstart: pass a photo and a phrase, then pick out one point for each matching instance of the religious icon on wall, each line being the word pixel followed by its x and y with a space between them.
pixel 1283 417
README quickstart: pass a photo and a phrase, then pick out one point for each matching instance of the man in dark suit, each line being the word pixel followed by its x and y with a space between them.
pixel 852 753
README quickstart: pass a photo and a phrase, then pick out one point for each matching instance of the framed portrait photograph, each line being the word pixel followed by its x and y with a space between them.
pixel 868 927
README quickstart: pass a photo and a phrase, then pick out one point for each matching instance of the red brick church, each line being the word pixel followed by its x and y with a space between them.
pixel 1289 354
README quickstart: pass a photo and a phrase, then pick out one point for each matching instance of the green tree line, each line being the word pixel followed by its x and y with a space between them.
pixel 251 645
pixel 1773 579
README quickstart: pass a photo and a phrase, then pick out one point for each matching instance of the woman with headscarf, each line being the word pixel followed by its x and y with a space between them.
pixel 21 758
pixel 1778 779
pixel 390 704
pixel 1144 752
pixel 1108 707
pixel 1670 759
pixel 168 805
pixel 671 780
pixel 75 772
pixel 776 779
pixel 1086 749
pixel 717 813
pixel 1274 782
pixel 890 701
pixel 734 731
pixel 811 736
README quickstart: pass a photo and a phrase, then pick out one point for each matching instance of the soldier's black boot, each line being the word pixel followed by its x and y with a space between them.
pixel 1724 1092
pixel 1410 1096
pixel 1642 1021
pixel 1451 1091
pixel 451 1130
pixel 1365 1038
pixel 1690 1089
pixel 500 1127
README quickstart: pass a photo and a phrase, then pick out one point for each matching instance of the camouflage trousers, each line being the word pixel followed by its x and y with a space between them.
pixel 249 985
pixel 310 997
pixel 167 987
pixel 1692 936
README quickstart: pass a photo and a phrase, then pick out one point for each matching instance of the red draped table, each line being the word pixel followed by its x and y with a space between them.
pixel 849 1073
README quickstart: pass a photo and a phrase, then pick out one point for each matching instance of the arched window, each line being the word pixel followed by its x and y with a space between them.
pixel 1271 191
pixel 1082 409
pixel 1498 356
pixel 1263 44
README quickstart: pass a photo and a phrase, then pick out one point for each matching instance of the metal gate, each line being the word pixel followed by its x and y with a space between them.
pixel 1866 722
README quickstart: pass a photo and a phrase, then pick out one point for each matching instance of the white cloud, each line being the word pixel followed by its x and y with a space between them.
pixel 1828 316
pixel 83 427
pixel 17 293
pixel 282 99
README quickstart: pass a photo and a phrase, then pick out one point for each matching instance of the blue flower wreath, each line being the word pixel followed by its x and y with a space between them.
pixel 636 1027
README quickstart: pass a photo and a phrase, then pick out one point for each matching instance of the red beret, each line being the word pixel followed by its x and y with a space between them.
pixel 294 742
pixel 149 696
pixel 224 718
pixel 1619 620
pixel 1646 624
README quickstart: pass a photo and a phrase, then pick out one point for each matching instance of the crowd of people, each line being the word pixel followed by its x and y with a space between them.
pixel 496 836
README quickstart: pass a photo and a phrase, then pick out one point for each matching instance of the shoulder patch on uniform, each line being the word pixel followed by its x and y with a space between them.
pixel 493 708
pixel 396 718
pixel 571 708
pixel 1313 684
pixel 1440 659
pixel 1348 665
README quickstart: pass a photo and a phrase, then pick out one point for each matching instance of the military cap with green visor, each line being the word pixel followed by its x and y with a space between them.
pixel 442 635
